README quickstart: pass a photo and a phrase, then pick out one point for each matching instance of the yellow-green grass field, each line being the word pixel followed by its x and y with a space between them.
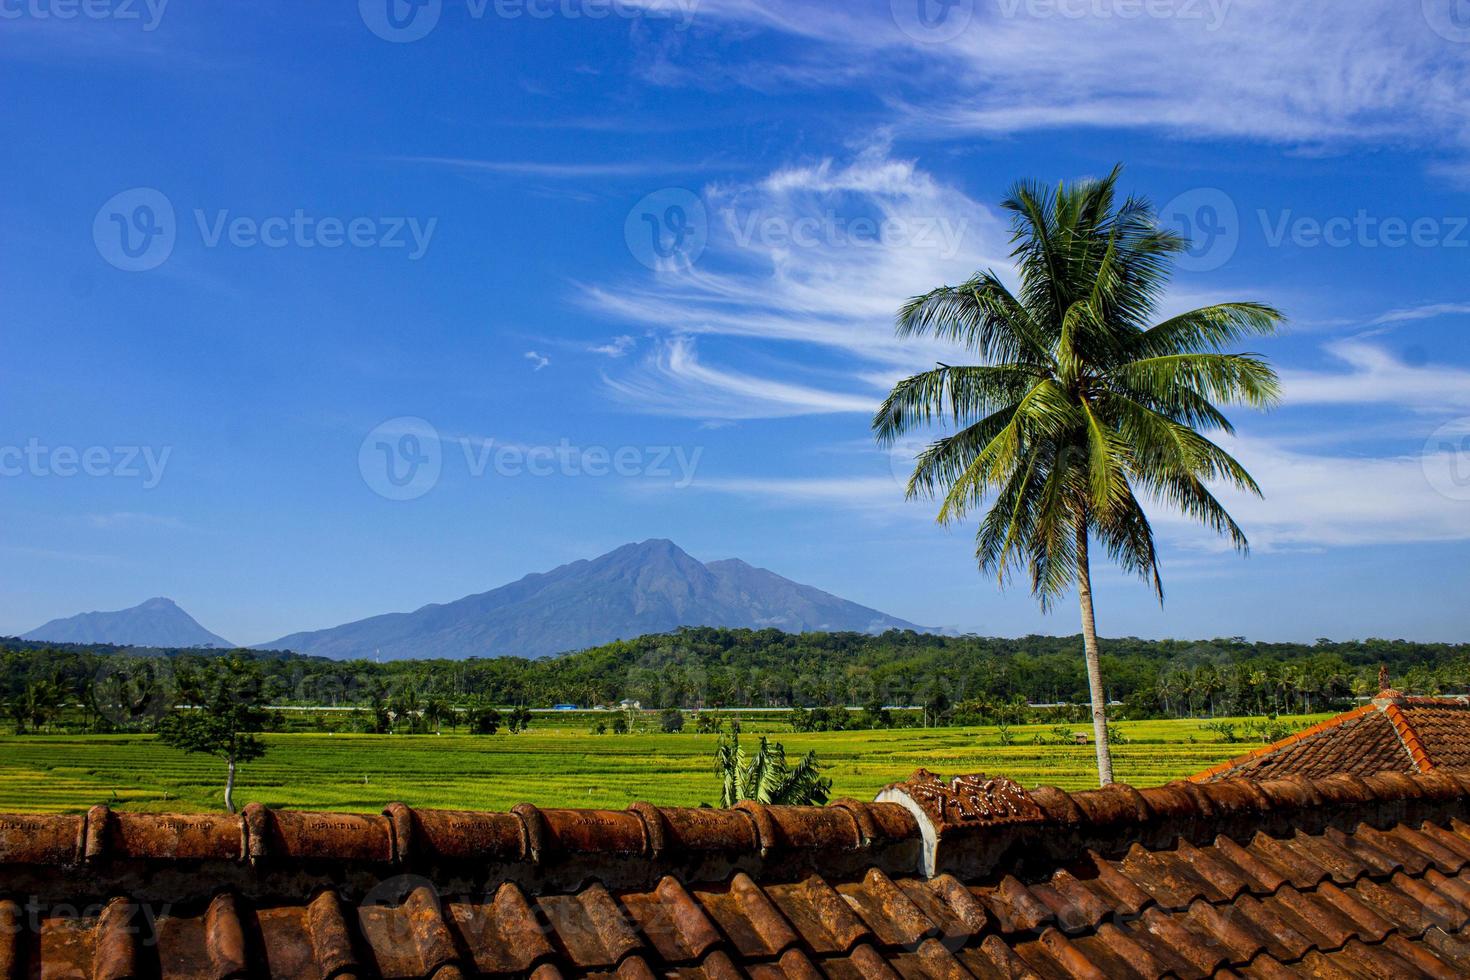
pixel 550 767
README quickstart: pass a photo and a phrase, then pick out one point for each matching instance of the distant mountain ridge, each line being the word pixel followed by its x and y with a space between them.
pixel 652 587
pixel 156 623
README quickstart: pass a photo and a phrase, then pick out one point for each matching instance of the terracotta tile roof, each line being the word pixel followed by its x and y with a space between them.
pixel 1392 732
pixel 1337 877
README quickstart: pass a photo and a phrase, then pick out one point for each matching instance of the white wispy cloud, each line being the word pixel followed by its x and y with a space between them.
pixel 1254 68
pixel 619 346
pixel 819 254
pixel 873 493
pixel 673 381
pixel 1376 377
pixel 1312 500
pixel 538 361
pixel 1319 500
pixel 1427 311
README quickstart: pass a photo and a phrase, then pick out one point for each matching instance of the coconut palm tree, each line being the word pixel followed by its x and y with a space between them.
pixel 1082 404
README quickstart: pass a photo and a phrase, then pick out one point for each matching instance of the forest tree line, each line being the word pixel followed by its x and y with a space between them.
pixel 952 678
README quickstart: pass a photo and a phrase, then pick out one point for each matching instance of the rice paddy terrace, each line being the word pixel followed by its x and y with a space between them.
pixel 57 773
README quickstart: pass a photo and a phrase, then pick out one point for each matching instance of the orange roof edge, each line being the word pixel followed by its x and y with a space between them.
pixel 1290 740
pixel 1409 737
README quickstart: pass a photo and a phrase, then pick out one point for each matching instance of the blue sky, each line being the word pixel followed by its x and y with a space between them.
pixel 254 253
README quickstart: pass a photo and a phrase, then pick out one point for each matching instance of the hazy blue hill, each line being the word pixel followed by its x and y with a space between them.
pixel 651 587
pixel 155 623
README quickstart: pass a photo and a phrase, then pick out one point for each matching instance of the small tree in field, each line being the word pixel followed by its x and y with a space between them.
pixel 766 776
pixel 224 709
pixel 483 719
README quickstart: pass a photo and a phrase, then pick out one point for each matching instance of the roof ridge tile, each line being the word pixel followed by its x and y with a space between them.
pixel 1408 736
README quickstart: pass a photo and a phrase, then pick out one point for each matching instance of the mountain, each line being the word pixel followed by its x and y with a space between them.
pixel 155 623
pixel 653 587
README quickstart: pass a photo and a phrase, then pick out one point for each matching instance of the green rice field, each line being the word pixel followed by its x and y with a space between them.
pixel 550 767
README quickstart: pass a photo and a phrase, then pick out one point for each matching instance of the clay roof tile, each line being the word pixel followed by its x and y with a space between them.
pixel 1275 877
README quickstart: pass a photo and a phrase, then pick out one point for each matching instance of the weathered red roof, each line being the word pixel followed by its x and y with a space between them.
pixel 1392 732
pixel 1342 876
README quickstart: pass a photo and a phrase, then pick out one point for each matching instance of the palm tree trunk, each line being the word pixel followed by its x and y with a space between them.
pixel 1094 666
pixel 230 787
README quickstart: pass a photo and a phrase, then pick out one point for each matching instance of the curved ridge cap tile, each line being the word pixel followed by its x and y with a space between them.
pixel 464 835
pixel 1172 801
pixel 95 840
pixel 1394 787
pixel 816 828
pixel 255 822
pixel 655 827
pixel 400 831
pixel 765 827
pixel 1057 806
pixel 310 835
pixel 705 829
pixel 1114 804
pixel 609 832
pixel 882 823
pixel 1344 789
pixel 1199 793
pixel 54 840
pixel 175 836
pixel 1290 792
pixel 533 830
pixel 1234 797
pixel 1440 786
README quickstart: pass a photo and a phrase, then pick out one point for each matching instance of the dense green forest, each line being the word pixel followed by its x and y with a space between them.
pixel 965 678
